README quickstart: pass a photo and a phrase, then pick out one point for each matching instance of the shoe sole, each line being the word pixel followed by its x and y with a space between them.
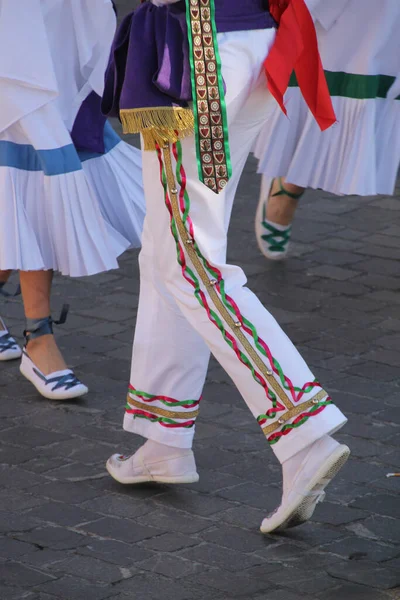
pixel 51 396
pixel 276 256
pixel 5 356
pixel 190 478
pixel 299 513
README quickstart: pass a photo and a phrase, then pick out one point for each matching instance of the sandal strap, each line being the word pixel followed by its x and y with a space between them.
pixel 284 192
pixel 7 342
pixel 276 239
pixel 36 328
pixel 67 381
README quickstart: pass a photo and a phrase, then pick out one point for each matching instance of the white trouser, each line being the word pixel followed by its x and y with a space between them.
pixel 192 302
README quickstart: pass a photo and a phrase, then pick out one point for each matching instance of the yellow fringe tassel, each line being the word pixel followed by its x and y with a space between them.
pixel 158 126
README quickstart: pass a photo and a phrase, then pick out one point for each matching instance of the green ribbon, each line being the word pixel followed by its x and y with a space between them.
pixel 201 25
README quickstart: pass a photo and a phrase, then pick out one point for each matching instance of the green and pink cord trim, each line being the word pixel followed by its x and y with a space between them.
pixel 192 279
pixel 163 421
pixel 296 392
pixel 275 437
pixel 170 402
pixel 163 416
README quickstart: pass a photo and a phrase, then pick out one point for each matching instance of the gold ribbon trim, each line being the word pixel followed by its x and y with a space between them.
pixel 292 410
pixel 161 411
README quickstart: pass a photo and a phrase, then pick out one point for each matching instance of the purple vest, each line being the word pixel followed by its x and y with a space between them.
pixel 240 15
pixel 149 62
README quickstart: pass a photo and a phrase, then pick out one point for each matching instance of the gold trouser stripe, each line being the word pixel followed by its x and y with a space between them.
pixel 293 409
pixel 297 410
pixel 162 412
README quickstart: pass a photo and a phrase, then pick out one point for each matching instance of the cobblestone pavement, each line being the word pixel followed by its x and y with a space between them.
pixel 68 532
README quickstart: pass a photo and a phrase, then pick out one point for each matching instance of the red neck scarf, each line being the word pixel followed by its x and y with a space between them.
pixel 296 49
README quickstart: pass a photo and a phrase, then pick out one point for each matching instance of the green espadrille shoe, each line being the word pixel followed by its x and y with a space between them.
pixel 272 239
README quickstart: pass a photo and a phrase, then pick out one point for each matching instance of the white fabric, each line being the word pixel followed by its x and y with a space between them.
pixel 174 335
pixel 77 222
pixel 116 179
pixel 361 153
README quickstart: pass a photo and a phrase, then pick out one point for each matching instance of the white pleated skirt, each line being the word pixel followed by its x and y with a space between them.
pixel 73 212
pixel 360 154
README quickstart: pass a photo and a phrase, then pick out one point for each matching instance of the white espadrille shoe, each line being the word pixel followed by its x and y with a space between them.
pixel 140 468
pixel 272 238
pixel 60 385
pixel 9 349
pixel 319 466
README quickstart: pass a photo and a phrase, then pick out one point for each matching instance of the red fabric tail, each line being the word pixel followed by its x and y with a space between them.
pixel 296 49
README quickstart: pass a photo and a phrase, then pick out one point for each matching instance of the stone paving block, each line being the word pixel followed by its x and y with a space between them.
pixel 93 569
pixel 283 595
pixel 11 593
pixel 257 469
pixel 111 368
pixel 112 551
pixel 199 504
pixel 57 538
pixel 44 559
pixel 170 542
pixel 281 550
pixel 210 460
pixel 72 588
pixel 255 495
pixel 369 574
pixel 15 522
pixel 383 528
pixel 312 534
pixel 88 344
pixel 339 258
pixel 391 415
pixel 335 514
pixel 317 583
pixel 156 587
pixel 172 566
pixel 14 574
pixel 361 448
pixel 376 371
pixel 244 516
pixel 11 549
pixel 44 464
pixel 262 573
pixel 211 482
pixel 122 530
pixel 68 492
pixel 176 520
pixel 19 478
pixel 217 556
pixel 250 442
pixel 235 585
pixel 352 592
pixel 120 506
pixel 391 458
pixel 314 561
pixel 334 272
pixel 235 538
pixel 356 548
pixel 138 493
pixel 385 505
pixel 16 501
pixel 63 514
pixel 78 472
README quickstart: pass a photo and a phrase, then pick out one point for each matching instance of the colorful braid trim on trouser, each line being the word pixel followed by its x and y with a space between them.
pixel 287 409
